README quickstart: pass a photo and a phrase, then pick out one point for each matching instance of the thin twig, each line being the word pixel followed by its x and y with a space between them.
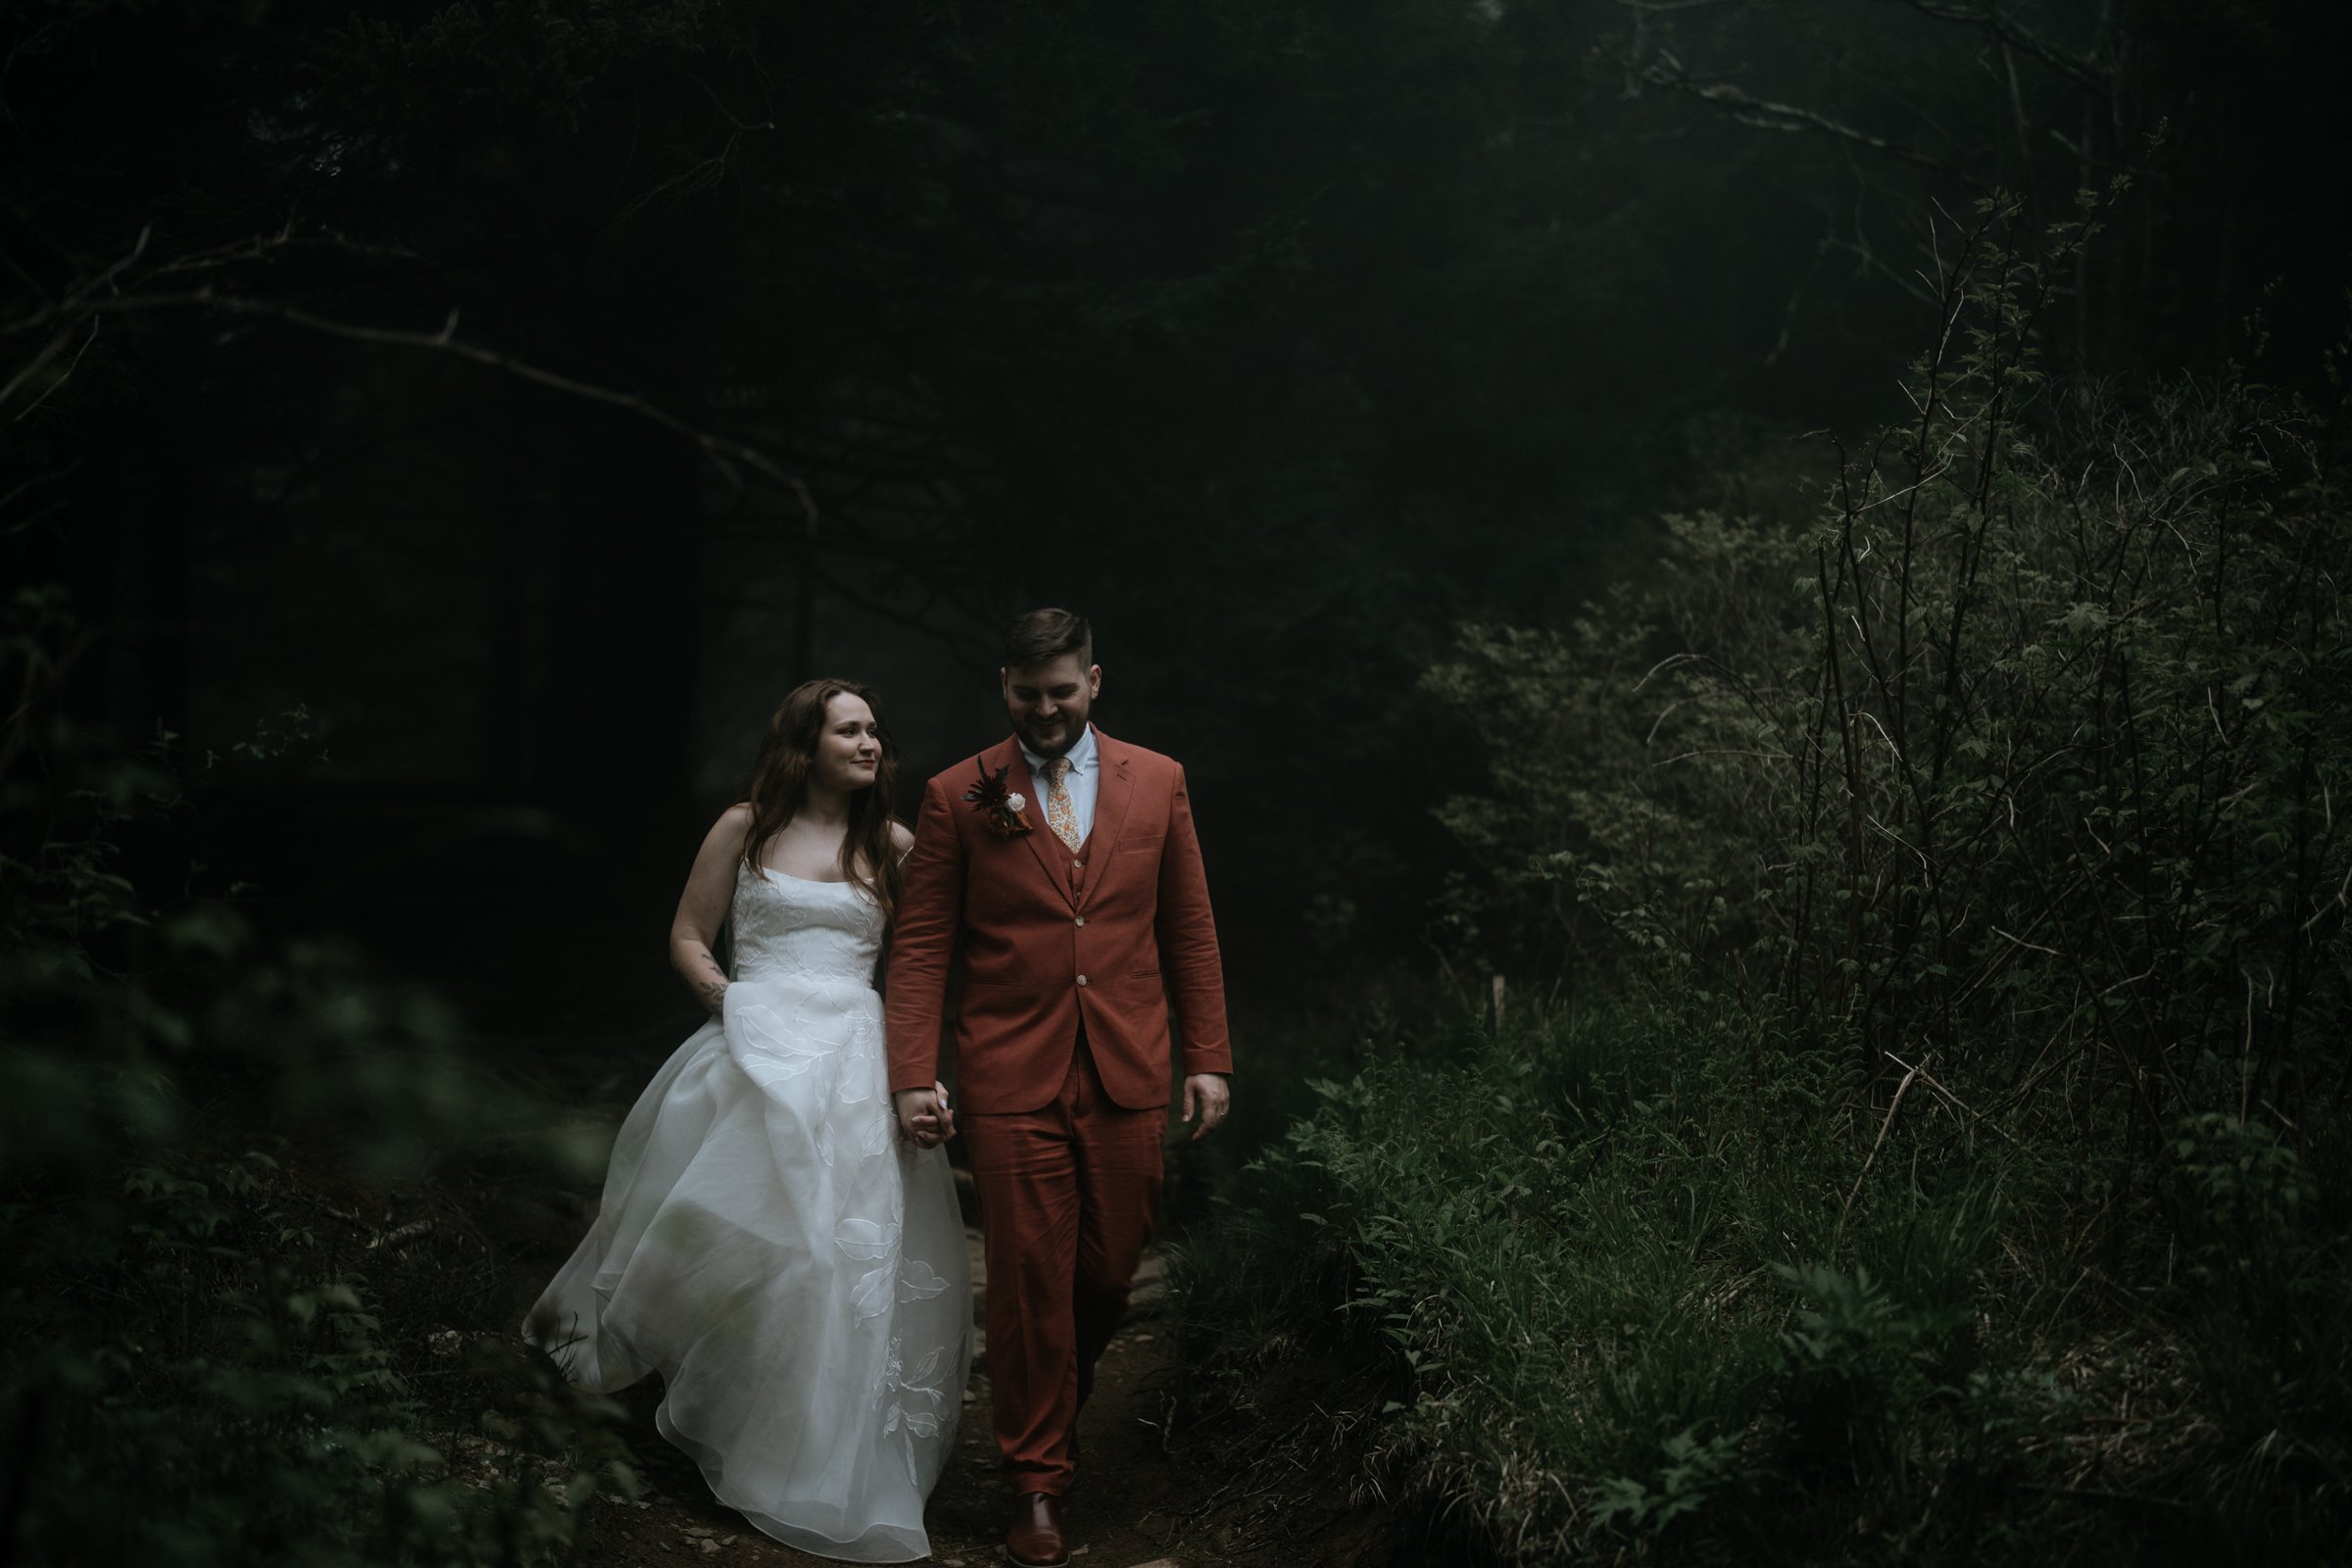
pixel 1951 1099
pixel 1900 1090
pixel 63 377
pixel 1767 115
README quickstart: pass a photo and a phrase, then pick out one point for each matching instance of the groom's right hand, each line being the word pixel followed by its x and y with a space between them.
pixel 925 1118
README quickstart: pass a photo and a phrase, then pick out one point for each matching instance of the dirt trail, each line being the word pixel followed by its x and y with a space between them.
pixel 1139 1499
pixel 1134 1504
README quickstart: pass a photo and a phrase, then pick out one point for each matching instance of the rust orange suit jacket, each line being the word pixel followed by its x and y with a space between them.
pixel 1115 943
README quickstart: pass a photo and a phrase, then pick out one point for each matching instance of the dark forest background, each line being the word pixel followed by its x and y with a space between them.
pixel 439 434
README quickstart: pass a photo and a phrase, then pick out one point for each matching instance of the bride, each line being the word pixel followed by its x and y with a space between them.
pixel 767 1242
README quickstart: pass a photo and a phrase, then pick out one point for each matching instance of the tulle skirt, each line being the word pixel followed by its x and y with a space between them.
pixel 793 1270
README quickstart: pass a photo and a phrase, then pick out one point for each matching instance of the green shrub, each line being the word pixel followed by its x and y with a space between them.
pixel 2028 750
pixel 196 1379
pixel 195 1364
pixel 1656 1288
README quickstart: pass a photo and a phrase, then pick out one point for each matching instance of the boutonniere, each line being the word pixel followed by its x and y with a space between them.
pixel 1007 812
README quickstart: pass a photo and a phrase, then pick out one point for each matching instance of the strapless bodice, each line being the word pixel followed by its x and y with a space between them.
pixel 787 927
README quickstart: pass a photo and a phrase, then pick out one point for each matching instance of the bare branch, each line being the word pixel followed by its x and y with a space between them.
pixel 63 377
pixel 1996 20
pixel 1767 115
pixel 727 454
pixel 32 366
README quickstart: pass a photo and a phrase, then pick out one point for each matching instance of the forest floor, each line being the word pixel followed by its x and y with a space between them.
pixel 1139 1501
pixel 1150 1493
pixel 1136 1503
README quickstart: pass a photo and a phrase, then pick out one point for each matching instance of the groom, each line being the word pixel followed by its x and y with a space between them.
pixel 1076 890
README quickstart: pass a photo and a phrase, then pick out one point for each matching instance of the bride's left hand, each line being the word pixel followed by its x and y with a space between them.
pixel 925 1119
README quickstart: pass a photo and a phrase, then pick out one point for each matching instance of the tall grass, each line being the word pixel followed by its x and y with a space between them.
pixel 1654 1288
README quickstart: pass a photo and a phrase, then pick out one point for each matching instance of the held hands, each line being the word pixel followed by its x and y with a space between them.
pixel 925 1118
pixel 1206 1092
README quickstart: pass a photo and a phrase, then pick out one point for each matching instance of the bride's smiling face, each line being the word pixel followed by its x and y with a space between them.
pixel 849 749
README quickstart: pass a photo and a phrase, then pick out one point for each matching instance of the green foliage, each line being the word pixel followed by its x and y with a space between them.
pixel 1946 1161
pixel 214 1385
pixel 2027 749
pixel 195 1363
pixel 1652 1291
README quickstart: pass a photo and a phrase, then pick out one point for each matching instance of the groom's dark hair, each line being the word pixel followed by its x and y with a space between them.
pixel 1042 635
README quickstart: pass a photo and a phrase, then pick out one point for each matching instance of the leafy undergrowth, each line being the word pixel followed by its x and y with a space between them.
pixel 1650 1289
pixel 222 1332
pixel 240 1359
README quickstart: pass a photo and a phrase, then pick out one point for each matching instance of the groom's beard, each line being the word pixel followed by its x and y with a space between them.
pixel 1071 726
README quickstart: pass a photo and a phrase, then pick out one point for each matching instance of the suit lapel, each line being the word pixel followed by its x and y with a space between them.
pixel 1114 792
pixel 1007 755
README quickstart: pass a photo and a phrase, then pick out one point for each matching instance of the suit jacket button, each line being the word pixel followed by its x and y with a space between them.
pixel 1081 979
pixel 1082 919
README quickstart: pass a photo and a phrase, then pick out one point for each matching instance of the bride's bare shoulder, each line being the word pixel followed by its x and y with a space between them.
pixel 902 838
pixel 729 831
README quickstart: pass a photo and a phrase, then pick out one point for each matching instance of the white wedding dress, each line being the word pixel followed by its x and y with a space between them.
pixel 794 1270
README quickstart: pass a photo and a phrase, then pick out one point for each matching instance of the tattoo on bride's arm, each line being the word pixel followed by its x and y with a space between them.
pixel 713 986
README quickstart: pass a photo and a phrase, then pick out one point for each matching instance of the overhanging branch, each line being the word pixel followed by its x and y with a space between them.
pixel 726 452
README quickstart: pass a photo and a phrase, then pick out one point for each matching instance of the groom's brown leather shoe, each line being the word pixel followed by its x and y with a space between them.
pixel 1035 1540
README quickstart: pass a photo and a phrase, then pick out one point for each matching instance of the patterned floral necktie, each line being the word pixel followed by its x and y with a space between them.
pixel 1060 815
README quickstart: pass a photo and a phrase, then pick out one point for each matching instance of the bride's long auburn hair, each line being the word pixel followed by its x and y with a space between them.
pixel 780 788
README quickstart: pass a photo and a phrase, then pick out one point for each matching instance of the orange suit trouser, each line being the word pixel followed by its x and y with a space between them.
pixel 1068 1196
